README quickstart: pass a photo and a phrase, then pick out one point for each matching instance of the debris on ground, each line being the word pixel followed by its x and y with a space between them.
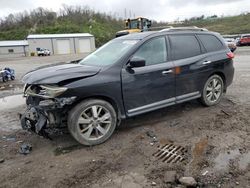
pixel 153 183
pixel 225 112
pixel 64 150
pixel 188 181
pixel 204 173
pixel 2 160
pixel 170 176
pixel 152 135
pixel 9 138
pixel 174 123
pixel 25 149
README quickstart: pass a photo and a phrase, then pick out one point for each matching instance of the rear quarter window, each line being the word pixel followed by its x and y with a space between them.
pixel 211 43
pixel 184 46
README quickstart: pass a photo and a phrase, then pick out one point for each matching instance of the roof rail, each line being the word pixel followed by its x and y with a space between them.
pixel 191 28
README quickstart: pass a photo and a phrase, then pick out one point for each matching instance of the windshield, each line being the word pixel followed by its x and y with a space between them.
pixel 109 53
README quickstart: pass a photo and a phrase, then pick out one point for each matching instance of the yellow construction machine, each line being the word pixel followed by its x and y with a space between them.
pixel 136 25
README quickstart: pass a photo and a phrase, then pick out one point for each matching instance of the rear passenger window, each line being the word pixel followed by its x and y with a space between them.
pixel 184 46
pixel 211 43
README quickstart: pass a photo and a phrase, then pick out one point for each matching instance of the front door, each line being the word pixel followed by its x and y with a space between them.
pixel 150 87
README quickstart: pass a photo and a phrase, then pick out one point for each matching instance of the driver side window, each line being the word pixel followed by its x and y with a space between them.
pixel 153 51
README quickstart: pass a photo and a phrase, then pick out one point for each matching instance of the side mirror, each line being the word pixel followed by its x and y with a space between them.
pixel 136 62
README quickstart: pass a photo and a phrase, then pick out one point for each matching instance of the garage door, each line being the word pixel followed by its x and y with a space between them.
pixel 63 46
pixel 84 45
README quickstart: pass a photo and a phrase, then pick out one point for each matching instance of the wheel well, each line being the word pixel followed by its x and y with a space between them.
pixel 109 100
pixel 221 74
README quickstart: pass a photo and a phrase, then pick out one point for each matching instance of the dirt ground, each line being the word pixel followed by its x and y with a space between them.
pixel 214 142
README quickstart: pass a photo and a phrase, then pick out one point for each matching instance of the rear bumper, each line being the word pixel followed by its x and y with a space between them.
pixel 229 74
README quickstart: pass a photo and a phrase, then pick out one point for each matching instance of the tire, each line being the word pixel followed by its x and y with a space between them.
pixel 92 122
pixel 212 91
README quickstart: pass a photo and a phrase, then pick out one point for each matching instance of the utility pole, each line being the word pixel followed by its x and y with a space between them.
pixel 125 13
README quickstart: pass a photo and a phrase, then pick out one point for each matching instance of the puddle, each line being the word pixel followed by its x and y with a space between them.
pixel 222 160
pixel 11 102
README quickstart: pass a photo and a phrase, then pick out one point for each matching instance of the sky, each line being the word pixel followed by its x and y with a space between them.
pixel 160 10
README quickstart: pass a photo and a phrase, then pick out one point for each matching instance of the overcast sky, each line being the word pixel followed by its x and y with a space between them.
pixel 160 10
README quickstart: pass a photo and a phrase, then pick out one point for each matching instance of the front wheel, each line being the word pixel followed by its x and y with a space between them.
pixel 212 91
pixel 92 122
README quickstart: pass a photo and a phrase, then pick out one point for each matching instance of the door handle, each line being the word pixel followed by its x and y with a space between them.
pixel 206 62
pixel 167 72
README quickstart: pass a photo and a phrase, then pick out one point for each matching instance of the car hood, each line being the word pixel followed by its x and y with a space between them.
pixel 59 73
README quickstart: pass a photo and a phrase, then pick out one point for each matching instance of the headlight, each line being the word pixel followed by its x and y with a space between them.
pixel 45 91
pixel 51 91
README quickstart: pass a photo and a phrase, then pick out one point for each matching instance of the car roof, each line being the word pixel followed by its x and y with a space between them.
pixel 136 36
pixel 142 35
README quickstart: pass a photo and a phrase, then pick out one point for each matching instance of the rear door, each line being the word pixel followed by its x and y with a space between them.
pixel 189 59
pixel 196 57
pixel 150 87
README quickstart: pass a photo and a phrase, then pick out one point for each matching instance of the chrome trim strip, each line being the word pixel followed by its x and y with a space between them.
pixel 163 103
pixel 188 99
pixel 187 95
pixel 152 105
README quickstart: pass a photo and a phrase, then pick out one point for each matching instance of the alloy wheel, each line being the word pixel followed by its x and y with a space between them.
pixel 94 122
pixel 214 90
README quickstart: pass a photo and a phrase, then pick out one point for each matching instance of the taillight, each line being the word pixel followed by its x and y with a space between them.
pixel 230 55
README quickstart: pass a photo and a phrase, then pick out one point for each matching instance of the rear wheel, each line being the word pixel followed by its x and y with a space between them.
pixel 92 122
pixel 212 91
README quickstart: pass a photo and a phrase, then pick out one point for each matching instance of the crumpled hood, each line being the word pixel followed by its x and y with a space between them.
pixel 59 73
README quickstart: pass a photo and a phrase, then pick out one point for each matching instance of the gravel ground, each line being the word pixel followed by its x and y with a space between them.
pixel 215 142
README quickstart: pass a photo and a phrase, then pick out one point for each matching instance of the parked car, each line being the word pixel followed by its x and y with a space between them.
pixel 128 76
pixel 42 52
pixel 244 40
pixel 231 43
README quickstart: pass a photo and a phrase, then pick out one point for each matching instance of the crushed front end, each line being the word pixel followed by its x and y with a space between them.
pixel 45 108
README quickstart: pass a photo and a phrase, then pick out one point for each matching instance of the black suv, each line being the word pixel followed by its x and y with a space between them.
pixel 128 76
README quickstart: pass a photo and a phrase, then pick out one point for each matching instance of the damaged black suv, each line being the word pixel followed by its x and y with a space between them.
pixel 128 76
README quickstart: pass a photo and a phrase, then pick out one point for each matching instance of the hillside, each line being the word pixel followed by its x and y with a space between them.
pixel 227 25
pixel 75 19
pixel 68 20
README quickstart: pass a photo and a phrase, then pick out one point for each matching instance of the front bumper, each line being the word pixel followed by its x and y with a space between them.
pixel 42 114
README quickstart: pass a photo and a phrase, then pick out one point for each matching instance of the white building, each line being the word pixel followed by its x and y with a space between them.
pixel 14 48
pixel 62 43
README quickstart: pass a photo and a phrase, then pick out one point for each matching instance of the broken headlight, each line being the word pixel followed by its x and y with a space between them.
pixel 45 91
pixel 51 91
